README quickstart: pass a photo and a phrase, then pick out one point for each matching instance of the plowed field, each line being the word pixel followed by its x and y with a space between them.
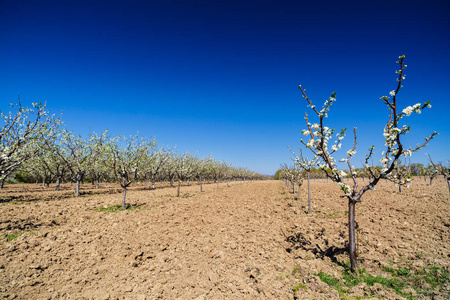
pixel 245 241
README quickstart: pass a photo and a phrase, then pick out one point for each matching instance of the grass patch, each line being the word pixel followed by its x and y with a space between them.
pixel 117 208
pixel 336 214
pixel 13 236
pixel 401 280
pixel 423 280
pixel 299 287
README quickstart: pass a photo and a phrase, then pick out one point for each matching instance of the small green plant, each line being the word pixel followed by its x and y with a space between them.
pixel 298 287
pixel 13 236
pixel 400 280
pixel 334 214
pixel 116 208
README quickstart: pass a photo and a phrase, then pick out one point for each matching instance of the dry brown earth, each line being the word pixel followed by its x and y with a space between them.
pixel 248 241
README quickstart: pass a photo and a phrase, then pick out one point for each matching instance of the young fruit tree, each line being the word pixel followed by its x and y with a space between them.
pixel 78 155
pixel 401 176
pixel 293 176
pixel 201 167
pixel 323 148
pixel 441 170
pixel 155 163
pixel 307 165
pixel 184 166
pixel 126 158
pixel 98 170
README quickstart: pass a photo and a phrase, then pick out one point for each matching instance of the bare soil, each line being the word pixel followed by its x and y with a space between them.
pixel 245 241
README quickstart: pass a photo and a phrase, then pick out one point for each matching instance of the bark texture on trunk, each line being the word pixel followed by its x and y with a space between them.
pixel 124 205
pixel 77 188
pixel 309 197
pixel 352 235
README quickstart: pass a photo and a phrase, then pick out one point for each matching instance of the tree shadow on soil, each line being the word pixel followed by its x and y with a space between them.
pixel 23 224
pixel 299 241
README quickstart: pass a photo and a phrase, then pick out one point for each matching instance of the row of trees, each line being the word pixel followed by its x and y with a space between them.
pixel 36 145
pixel 402 174
pixel 323 143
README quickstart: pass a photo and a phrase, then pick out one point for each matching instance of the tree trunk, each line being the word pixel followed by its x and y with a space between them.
pixel 227 183
pixel 352 235
pixel 200 183
pixel 188 182
pixel 171 182
pixel 124 205
pixel 298 195
pixel 448 183
pixel 399 188
pixel 293 188
pixel 178 189
pixel 77 188
pixel 431 181
pixel 58 182
pixel 2 183
pixel 153 182
pixel 217 183
pixel 309 197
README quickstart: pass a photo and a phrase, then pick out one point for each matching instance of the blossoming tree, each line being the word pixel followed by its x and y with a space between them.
pixel 323 148
pixel 306 165
pixel 184 166
pixel 155 163
pixel 440 169
pixel 23 132
pixel 78 155
pixel 126 158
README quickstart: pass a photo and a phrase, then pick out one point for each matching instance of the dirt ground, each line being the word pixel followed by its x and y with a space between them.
pixel 246 241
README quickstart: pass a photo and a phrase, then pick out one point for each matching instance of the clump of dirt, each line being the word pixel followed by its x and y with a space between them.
pixel 247 241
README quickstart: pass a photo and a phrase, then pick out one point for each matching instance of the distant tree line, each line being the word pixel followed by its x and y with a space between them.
pixel 35 147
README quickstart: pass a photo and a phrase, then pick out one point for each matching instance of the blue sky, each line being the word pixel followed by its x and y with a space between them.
pixel 221 77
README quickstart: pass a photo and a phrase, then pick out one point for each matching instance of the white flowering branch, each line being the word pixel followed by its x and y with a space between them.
pixel 320 135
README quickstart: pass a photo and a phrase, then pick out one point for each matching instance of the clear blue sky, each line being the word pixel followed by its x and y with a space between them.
pixel 221 77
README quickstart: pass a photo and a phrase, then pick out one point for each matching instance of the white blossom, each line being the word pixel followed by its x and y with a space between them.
pixel 351 152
